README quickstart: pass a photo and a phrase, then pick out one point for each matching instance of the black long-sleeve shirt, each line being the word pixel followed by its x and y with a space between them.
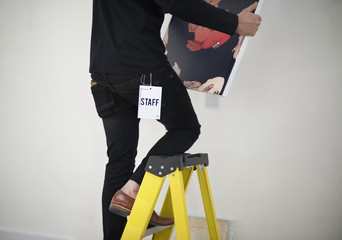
pixel 126 33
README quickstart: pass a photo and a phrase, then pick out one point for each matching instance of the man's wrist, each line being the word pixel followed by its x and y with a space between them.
pixel 235 22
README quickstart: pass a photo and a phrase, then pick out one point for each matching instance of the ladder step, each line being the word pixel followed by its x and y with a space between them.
pixel 196 159
pixel 161 166
pixel 154 229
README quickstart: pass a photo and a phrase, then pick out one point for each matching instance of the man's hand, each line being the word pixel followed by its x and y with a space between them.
pixel 248 21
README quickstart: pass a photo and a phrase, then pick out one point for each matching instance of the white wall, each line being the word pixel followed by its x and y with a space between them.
pixel 274 142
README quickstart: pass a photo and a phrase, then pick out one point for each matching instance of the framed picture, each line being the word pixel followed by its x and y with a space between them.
pixel 206 60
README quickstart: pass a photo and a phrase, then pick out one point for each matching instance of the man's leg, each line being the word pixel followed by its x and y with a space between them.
pixel 122 138
pixel 122 131
pixel 178 117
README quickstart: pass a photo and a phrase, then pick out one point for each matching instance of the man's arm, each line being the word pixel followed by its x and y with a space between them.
pixel 201 13
pixel 204 14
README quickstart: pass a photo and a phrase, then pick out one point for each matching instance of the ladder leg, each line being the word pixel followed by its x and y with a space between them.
pixel 179 205
pixel 143 207
pixel 208 202
pixel 167 210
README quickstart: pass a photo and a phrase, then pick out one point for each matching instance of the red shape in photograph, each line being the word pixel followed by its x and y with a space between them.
pixel 205 38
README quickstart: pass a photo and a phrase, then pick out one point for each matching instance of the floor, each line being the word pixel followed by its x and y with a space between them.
pixel 199 230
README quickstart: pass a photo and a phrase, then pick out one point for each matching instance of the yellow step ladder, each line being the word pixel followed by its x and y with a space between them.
pixel 179 168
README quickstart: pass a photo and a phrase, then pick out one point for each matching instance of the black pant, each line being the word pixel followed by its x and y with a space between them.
pixel 116 99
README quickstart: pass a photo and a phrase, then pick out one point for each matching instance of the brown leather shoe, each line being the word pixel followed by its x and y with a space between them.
pixel 122 204
pixel 160 221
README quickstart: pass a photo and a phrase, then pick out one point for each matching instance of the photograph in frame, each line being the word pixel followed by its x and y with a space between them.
pixel 206 60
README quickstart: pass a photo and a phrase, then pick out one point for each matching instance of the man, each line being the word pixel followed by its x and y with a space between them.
pixel 126 52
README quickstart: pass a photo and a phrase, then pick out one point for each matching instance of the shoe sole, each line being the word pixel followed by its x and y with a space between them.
pixel 152 224
pixel 119 210
pixel 124 212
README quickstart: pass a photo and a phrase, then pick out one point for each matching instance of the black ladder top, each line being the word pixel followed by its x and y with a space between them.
pixel 164 165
